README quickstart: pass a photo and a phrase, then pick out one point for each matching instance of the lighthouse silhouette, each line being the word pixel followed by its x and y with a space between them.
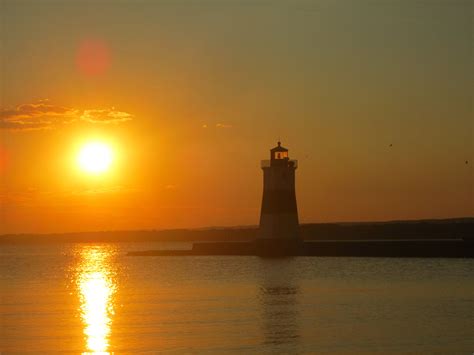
pixel 278 232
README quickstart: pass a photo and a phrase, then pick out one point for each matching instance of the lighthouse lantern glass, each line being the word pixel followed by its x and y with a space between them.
pixel 281 155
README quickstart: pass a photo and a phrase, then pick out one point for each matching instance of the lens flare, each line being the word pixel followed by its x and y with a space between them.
pixel 93 57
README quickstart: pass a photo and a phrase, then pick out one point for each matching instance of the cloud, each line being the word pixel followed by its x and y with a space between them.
pixel 19 125
pixel 105 116
pixel 44 115
pixel 40 115
pixel 223 125
pixel 219 125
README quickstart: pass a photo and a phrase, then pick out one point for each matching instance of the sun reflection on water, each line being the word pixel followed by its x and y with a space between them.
pixel 96 286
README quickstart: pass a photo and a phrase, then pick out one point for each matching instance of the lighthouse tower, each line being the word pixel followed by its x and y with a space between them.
pixel 278 233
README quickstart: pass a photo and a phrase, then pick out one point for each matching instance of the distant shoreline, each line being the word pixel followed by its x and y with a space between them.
pixel 453 228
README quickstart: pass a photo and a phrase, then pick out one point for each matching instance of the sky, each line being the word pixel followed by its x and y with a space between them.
pixel 373 98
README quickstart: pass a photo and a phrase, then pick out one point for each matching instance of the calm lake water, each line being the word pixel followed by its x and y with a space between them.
pixel 93 298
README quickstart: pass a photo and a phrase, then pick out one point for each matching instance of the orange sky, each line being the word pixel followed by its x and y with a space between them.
pixel 191 95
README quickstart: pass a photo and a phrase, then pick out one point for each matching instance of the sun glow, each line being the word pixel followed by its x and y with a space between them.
pixel 95 157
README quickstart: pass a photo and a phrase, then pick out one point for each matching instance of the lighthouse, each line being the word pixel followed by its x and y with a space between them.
pixel 278 233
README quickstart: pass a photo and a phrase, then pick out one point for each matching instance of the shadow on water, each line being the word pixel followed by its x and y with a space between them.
pixel 278 293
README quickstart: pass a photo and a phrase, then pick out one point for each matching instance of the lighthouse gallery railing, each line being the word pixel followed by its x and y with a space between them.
pixel 266 163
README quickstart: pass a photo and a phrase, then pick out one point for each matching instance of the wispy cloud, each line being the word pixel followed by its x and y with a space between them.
pixel 218 125
pixel 45 115
pixel 106 116
pixel 40 115
pixel 223 125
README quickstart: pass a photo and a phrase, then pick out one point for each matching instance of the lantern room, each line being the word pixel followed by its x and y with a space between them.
pixel 279 153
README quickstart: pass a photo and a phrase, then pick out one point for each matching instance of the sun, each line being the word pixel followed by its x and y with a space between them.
pixel 95 157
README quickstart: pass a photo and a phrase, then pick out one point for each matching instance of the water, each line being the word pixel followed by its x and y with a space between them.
pixel 92 298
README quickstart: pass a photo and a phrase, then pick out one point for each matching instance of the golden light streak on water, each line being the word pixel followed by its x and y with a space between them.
pixel 96 287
